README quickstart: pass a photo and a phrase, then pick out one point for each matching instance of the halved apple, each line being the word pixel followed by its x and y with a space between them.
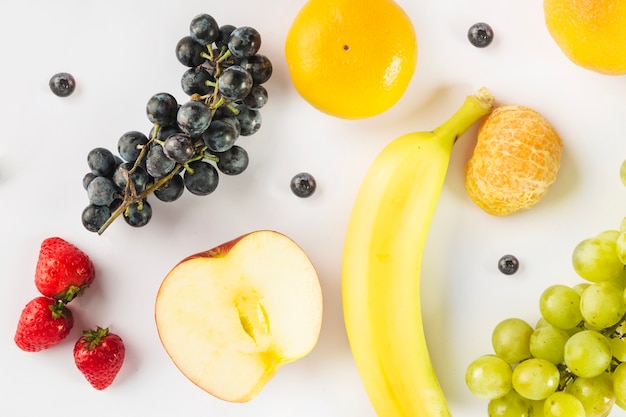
pixel 231 316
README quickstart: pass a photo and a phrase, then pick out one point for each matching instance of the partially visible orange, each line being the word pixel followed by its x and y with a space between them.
pixel 591 33
pixel 351 58
pixel 516 158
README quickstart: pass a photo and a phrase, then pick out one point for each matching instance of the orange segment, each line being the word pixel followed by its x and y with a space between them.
pixel 516 158
pixel 351 58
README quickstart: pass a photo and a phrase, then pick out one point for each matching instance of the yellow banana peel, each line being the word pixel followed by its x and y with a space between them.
pixel 382 260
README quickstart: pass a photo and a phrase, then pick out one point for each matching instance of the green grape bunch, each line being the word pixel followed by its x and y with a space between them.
pixel 572 361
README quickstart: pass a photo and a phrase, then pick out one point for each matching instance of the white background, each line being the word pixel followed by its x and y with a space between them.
pixel 122 52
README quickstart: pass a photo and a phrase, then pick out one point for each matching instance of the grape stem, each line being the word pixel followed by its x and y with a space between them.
pixel 214 100
pixel 131 197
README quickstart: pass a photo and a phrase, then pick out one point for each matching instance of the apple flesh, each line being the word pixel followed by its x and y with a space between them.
pixel 231 316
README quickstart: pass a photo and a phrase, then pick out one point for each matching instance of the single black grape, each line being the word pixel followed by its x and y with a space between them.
pixel 101 162
pixel 201 178
pixel 162 109
pixel 244 41
pixel 158 165
pixel 165 132
pixel 234 83
pixel 189 52
pixel 139 177
pixel 220 136
pixel 101 191
pixel 171 190
pixel 303 184
pixel 224 36
pixel 193 118
pixel 62 84
pixel 249 120
pixel 194 81
pixel 179 148
pixel 129 145
pixel 93 217
pixel 259 66
pixel 87 179
pixel 256 98
pixel 138 214
pixel 233 161
pixel 508 264
pixel 234 122
pixel 204 29
pixel 480 34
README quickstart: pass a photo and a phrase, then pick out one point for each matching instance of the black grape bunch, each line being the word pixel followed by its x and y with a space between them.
pixel 191 143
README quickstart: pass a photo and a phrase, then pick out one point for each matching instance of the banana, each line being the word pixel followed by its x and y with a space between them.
pixel 381 266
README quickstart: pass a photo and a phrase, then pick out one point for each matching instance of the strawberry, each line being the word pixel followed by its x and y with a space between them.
pixel 63 271
pixel 43 323
pixel 99 355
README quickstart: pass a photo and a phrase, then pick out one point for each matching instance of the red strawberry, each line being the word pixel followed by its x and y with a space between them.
pixel 44 323
pixel 63 271
pixel 99 355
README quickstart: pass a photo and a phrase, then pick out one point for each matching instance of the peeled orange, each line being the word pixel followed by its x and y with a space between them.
pixel 516 158
pixel 351 58
pixel 591 33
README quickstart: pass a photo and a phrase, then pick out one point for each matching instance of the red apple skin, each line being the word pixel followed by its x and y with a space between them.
pixel 217 252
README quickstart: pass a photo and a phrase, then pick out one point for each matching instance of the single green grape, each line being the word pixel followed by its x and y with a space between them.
pixel 581 287
pixel 620 247
pixel 619 383
pixel 587 353
pixel 510 405
pixel 618 347
pixel 488 377
pixel 595 259
pixel 536 408
pixel 536 379
pixel 602 304
pixel 596 394
pixel 622 172
pixel 617 340
pixel 541 322
pixel 511 340
pixel 563 404
pixel 548 342
pixel 560 306
pixel 609 234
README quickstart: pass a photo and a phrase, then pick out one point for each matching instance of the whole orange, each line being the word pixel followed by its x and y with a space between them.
pixel 591 33
pixel 351 58
pixel 516 158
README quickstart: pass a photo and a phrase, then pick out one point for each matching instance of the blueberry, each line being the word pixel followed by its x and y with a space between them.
pixel 480 35
pixel 508 264
pixel 303 184
pixel 62 84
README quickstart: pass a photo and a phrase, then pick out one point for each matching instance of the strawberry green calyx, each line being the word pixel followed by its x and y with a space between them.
pixel 59 310
pixel 72 292
pixel 93 338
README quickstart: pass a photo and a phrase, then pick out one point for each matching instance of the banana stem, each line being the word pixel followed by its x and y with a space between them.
pixel 475 106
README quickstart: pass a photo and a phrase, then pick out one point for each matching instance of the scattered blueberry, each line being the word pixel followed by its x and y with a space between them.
pixel 62 84
pixel 480 35
pixel 303 184
pixel 508 264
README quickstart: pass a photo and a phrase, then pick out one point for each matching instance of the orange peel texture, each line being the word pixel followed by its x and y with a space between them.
pixel 516 158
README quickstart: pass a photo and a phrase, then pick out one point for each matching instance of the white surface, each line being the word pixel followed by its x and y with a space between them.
pixel 121 52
